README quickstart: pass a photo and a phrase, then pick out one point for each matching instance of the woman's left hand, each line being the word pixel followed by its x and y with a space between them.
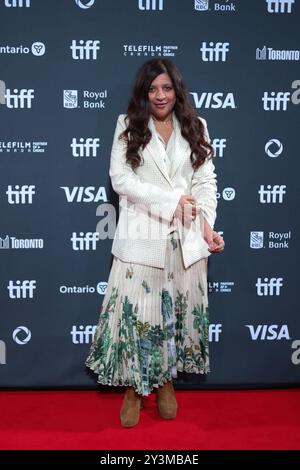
pixel 214 240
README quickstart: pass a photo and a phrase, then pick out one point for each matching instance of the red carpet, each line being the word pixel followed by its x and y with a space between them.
pixel 255 419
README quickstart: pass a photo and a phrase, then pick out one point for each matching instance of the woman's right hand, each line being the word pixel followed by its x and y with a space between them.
pixel 186 209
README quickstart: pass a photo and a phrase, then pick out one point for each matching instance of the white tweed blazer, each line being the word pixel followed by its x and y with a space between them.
pixel 148 197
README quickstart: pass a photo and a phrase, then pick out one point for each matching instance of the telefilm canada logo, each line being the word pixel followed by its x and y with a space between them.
pixel 222 287
pixel 75 99
pixel 22 146
pixel 149 50
pixel 209 5
pixel 37 49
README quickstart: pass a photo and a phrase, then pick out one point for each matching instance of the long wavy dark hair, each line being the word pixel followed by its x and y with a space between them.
pixel 137 134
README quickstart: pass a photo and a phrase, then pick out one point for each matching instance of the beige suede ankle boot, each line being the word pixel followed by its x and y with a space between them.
pixel 130 410
pixel 166 401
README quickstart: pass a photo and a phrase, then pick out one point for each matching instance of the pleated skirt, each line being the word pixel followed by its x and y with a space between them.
pixel 153 323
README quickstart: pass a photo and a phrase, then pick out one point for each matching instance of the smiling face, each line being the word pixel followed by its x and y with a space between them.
pixel 162 97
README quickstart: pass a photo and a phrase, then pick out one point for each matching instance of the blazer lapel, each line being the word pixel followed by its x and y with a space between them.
pixel 157 151
pixel 180 151
pixel 181 148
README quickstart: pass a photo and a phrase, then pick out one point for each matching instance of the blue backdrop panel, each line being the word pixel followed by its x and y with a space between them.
pixel 66 71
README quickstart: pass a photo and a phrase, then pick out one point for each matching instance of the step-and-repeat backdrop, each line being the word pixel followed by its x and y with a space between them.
pixel 66 72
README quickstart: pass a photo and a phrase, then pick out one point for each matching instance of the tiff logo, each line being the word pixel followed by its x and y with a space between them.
pixel 20 195
pixel 17 3
pixel 214 331
pixel 85 147
pixel 276 101
pixel 83 335
pixel 16 98
pixel 21 290
pixel 279 6
pixel 219 145
pixel 151 4
pixel 268 286
pixel 214 51
pixel 272 195
pixel 84 241
pixel 86 50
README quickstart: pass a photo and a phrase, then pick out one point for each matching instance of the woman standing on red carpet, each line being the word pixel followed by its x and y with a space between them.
pixel 154 316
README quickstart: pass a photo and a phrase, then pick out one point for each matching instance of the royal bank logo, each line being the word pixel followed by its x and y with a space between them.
pixel 22 147
pixel 256 240
pixel 37 48
pixel 219 146
pixel 87 99
pixel 146 5
pixel 14 243
pixel 70 99
pixel 85 147
pixel 85 4
pixel 274 240
pixel 279 6
pixel 210 5
pixel 214 52
pixel 149 50
pixel 17 3
pixel 273 148
pixel 210 100
pixel 268 53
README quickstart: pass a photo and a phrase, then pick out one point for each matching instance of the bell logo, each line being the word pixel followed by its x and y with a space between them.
pixel 21 335
pixel 85 4
pixel 273 148
pixel 268 332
